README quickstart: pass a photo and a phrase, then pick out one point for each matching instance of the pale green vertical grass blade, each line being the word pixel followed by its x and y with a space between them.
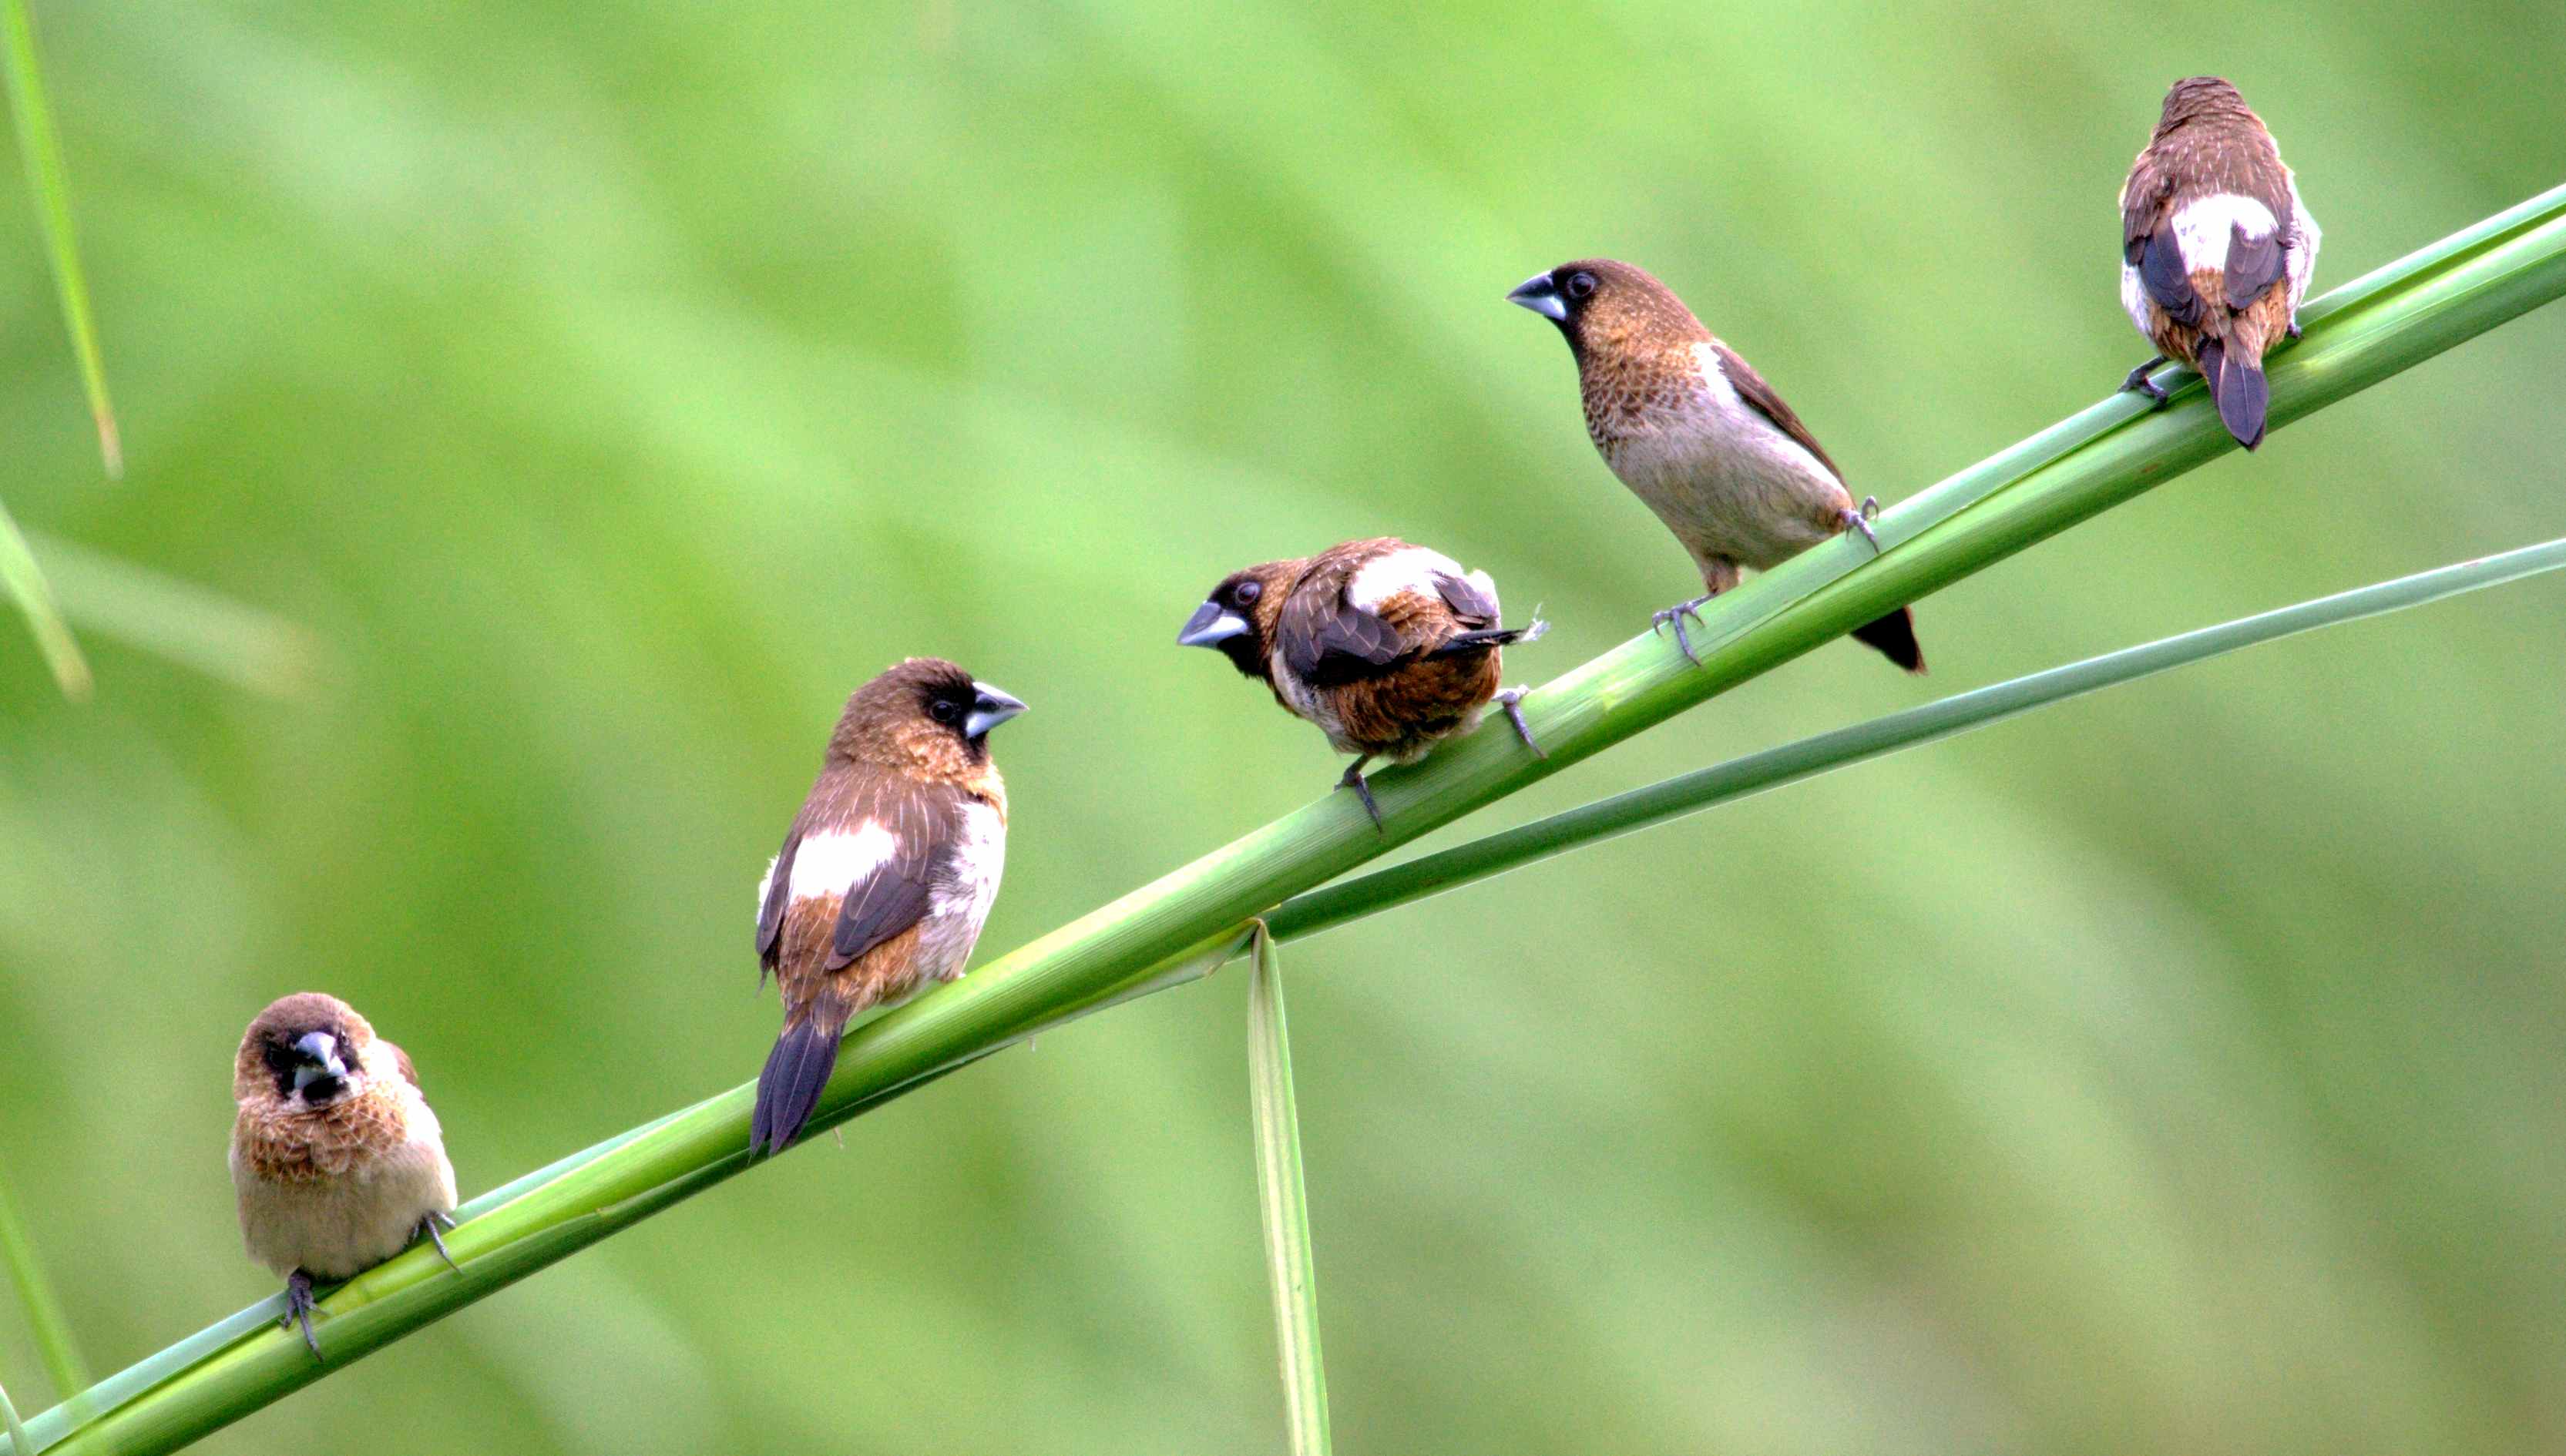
pixel 52 1332
pixel 26 585
pixel 1741 778
pixel 1173 928
pixel 1289 1267
pixel 19 1444
pixel 43 153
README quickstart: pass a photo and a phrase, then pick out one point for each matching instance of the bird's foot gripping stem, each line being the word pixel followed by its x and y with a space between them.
pixel 1354 780
pixel 2138 383
pixel 1676 614
pixel 1512 701
pixel 432 1226
pixel 299 1306
pixel 1859 518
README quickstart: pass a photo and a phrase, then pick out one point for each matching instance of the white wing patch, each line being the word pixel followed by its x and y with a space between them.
pixel 1410 569
pixel 2134 299
pixel 2202 229
pixel 825 864
pixel 1714 377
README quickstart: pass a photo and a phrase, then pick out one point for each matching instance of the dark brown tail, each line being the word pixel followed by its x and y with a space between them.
pixel 1494 636
pixel 1894 636
pixel 796 1072
pixel 2237 385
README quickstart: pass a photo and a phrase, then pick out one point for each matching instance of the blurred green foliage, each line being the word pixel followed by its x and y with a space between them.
pixel 607 389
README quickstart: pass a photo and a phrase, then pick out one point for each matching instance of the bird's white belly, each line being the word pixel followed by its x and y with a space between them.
pixel 337 1227
pixel 1732 489
pixel 958 905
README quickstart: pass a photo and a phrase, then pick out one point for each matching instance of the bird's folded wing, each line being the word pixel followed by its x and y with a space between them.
pixel 897 891
pixel 1761 398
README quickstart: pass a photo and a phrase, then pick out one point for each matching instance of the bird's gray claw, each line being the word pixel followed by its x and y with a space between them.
pixel 2138 383
pixel 429 1226
pixel 1354 780
pixel 1857 518
pixel 1512 700
pixel 1676 614
pixel 298 1308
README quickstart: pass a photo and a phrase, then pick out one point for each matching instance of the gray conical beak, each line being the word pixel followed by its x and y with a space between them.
pixel 1210 626
pixel 990 707
pixel 320 1058
pixel 1540 295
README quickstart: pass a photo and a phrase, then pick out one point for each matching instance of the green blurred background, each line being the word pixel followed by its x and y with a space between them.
pixel 604 390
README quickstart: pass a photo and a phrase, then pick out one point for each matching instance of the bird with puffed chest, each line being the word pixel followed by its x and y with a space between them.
pixel 1389 649
pixel 336 1161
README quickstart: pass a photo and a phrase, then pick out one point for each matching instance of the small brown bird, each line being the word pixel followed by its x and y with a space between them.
pixel 1389 647
pixel 1697 435
pixel 336 1160
pixel 886 875
pixel 2215 249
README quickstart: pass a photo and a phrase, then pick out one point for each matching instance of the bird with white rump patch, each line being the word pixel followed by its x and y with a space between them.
pixel 2217 249
pixel 886 875
pixel 1390 649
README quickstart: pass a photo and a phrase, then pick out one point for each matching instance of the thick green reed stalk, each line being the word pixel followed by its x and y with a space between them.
pixel 1182 924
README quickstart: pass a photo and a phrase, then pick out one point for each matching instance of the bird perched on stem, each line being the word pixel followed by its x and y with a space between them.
pixel 2215 249
pixel 886 875
pixel 1389 647
pixel 336 1161
pixel 1699 438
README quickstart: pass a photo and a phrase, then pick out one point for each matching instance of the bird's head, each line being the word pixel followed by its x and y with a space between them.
pixel 924 715
pixel 1238 616
pixel 2201 97
pixel 1604 306
pixel 305 1051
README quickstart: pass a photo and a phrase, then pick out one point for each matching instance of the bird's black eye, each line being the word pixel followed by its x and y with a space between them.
pixel 1580 284
pixel 944 710
pixel 1247 591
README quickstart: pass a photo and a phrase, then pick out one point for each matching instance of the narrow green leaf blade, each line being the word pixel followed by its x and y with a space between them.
pixel 1289 1267
pixel 1740 778
pixel 26 585
pixel 44 1319
pixel 191 625
pixel 43 153
pixel 19 1444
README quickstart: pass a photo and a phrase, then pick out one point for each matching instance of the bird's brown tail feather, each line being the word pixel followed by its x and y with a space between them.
pixel 1894 636
pixel 789 1088
pixel 2237 385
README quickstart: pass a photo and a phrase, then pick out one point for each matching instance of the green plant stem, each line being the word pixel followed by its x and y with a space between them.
pixel 52 1332
pixel 43 153
pixel 1741 778
pixel 24 582
pixel 20 1443
pixel 1290 1269
pixel 1181 925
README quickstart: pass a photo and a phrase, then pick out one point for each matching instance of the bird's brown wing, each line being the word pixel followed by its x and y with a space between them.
pixel 2143 204
pixel 1327 641
pixel 1471 607
pixel 895 893
pixel 770 915
pixel 401 1059
pixel 1751 388
pixel 2148 240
